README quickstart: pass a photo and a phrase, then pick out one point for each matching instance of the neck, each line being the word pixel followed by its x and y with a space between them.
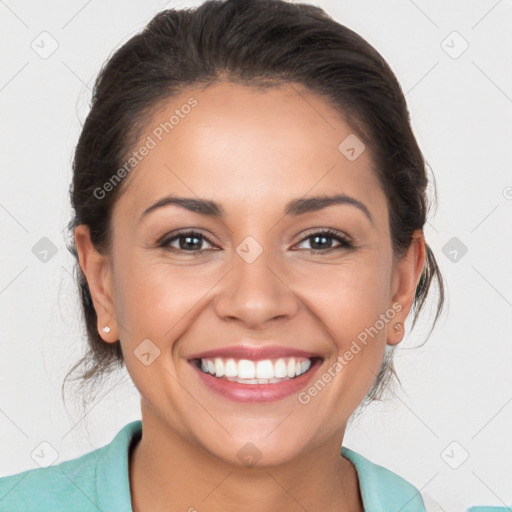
pixel 168 472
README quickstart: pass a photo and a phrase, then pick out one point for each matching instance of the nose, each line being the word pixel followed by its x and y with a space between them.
pixel 254 294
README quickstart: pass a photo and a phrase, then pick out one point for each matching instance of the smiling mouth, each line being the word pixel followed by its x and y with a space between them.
pixel 264 371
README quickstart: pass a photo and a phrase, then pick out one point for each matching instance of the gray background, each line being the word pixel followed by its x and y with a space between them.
pixel 456 396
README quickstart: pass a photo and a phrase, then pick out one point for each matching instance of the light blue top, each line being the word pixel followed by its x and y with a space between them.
pixel 99 481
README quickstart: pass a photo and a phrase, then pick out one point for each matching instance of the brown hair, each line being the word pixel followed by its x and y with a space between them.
pixel 255 43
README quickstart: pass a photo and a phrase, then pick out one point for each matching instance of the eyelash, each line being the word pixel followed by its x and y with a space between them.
pixel 327 233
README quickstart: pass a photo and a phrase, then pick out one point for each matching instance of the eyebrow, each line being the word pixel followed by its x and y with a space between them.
pixel 295 207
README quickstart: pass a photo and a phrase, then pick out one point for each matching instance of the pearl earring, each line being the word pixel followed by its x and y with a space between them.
pixel 106 328
pixel 397 327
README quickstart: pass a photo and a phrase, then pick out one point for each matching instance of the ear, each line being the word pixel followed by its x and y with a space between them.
pixel 406 275
pixel 97 270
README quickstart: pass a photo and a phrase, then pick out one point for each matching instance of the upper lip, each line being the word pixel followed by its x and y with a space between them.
pixel 253 352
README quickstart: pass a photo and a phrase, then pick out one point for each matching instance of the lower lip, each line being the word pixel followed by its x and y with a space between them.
pixel 257 392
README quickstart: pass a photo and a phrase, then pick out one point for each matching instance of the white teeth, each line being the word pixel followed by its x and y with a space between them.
pixel 256 372
pixel 280 369
pixel 264 369
pixel 230 368
pixel 301 368
pixel 246 369
pixel 290 368
pixel 247 381
pixel 219 367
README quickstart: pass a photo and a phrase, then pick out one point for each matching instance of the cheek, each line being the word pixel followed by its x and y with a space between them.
pixel 157 300
pixel 154 302
pixel 348 297
pixel 348 301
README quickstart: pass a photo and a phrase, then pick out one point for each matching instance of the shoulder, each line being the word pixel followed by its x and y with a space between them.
pixel 382 489
pixel 37 489
pixel 83 483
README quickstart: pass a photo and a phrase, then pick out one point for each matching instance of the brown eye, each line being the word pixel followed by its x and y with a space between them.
pixel 322 241
pixel 187 241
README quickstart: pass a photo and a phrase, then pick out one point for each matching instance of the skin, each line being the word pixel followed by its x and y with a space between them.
pixel 252 151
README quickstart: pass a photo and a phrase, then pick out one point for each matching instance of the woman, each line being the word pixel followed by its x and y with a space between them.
pixel 249 206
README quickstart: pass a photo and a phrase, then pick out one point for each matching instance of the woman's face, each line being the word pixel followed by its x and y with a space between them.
pixel 256 273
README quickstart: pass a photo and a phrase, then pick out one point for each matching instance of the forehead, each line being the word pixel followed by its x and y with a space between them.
pixel 244 146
